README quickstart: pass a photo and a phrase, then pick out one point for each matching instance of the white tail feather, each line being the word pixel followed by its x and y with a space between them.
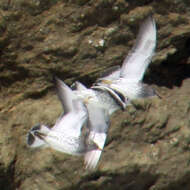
pixel 92 157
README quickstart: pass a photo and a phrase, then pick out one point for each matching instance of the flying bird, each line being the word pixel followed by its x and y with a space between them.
pixel 127 79
pixel 98 121
pixel 65 135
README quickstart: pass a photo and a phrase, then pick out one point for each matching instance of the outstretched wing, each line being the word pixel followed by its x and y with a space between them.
pixel 137 61
pixel 98 124
pixel 65 95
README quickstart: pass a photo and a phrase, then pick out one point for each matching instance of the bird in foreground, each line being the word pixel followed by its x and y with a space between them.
pixel 66 135
pixel 98 121
pixel 110 93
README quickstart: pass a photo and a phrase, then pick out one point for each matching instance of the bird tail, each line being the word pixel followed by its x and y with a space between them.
pixel 146 92
pixel 35 137
pixel 92 157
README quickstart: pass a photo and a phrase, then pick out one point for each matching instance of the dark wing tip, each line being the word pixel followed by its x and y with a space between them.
pixel 36 127
pixel 55 79
pixel 58 84
pixel 150 20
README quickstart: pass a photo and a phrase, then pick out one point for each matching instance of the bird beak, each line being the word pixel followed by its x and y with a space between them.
pixel 39 135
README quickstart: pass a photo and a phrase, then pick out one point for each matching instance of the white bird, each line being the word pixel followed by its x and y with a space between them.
pixel 65 135
pixel 98 124
pixel 127 80
pixel 98 121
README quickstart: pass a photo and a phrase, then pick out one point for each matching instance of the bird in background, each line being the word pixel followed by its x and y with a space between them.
pixel 90 108
pixel 127 79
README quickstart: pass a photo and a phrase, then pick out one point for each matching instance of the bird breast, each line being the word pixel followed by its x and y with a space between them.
pixel 64 143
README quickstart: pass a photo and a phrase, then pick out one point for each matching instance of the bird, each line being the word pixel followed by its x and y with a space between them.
pixel 98 121
pixel 98 124
pixel 127 79
pixel 66 135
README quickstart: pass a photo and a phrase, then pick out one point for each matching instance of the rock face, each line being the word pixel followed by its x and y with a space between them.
pixel 148 146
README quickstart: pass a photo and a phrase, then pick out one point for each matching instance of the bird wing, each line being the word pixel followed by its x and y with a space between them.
pixel 65 95
pixel 136 62
pixel 75 112
pixel 80 86
pixel 98 124
pixel 70 123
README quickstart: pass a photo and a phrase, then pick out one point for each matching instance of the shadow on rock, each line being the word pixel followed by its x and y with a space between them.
pixel 130 180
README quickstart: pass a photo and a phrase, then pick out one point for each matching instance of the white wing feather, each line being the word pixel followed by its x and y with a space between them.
pixel 98 125
pixel 75 112
pixel 137 61
pixel 65 95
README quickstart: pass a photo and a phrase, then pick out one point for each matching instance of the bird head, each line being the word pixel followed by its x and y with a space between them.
pixel 36 135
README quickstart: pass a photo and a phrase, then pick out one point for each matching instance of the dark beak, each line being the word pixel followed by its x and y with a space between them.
pixel 39 135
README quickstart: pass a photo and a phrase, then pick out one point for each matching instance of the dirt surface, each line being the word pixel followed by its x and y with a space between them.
pixel 148 146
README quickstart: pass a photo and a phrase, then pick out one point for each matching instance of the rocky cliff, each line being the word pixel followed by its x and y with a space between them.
pixel 148 147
